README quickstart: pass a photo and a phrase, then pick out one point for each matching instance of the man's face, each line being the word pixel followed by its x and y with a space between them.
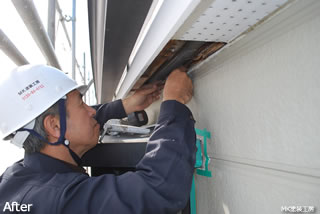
pixel 82 128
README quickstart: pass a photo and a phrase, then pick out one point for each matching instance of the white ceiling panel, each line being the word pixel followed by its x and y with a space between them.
pixel 224 20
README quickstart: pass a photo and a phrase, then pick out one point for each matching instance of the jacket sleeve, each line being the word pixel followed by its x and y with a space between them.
pixel 162 180
pixel 112 110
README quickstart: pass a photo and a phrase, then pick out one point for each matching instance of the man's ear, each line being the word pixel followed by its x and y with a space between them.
pixel 51 124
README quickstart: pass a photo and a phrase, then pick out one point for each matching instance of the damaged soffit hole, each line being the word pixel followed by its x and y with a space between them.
pixel 175 54
pixel 224 20
pixel 208 29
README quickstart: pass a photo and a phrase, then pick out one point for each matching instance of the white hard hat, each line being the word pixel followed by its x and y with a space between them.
pixel 28 91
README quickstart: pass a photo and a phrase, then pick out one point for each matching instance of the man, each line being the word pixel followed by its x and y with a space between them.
pixel 45 114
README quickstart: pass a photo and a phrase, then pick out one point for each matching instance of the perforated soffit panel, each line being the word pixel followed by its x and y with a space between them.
pixel 224 20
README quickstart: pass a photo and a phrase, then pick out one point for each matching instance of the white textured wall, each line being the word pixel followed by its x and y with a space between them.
pixel 260 99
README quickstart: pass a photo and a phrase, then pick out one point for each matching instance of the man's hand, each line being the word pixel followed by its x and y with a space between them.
pixel 142 98
pixel 178 86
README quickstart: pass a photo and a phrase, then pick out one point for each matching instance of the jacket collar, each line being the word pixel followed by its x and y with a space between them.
pixel 43 163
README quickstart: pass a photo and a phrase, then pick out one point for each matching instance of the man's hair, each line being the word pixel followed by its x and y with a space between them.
pixel 33 143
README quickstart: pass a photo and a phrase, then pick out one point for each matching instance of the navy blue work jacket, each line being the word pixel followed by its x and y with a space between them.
pixel 161 183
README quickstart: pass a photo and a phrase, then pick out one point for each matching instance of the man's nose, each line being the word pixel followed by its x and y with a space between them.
pixel 92 111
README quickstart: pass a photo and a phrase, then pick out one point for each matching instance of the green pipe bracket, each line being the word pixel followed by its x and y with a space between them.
pixel 200 171
pixel 199 164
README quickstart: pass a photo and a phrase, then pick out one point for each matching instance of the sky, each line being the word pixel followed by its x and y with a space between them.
pixel 13 26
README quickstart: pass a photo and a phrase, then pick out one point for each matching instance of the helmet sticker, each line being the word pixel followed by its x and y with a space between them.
pixel 30 89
